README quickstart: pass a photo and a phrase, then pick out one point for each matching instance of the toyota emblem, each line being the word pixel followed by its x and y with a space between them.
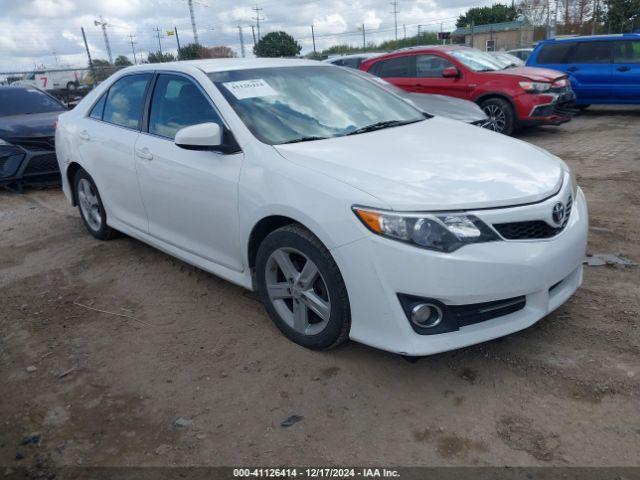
pixel 558 213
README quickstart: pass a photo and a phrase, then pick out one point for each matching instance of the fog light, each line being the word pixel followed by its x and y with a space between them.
pixel 426 315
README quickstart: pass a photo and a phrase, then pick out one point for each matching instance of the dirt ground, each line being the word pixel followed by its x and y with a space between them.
pixel 200 376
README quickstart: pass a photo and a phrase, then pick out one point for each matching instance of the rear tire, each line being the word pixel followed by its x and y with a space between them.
pixel 302 289
pixel 90 206
pixel 502 118
pixel 72 86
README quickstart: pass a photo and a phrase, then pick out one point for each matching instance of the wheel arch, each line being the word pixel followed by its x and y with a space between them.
pixel 262 229
pixel 71 173
pixel 503 96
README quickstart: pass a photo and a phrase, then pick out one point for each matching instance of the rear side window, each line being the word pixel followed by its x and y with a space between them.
pixel 554 53
pixel 431 66
pixel 177 103
pixel 627 51
pixel 98 108
pixel 395 67
pixel 352 62
pixel 592 52
pixel 125 101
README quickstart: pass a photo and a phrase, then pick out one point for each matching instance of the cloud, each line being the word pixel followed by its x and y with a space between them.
pixel 34 29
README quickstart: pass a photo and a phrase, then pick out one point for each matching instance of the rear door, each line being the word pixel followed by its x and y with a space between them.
pixel 626 71
pixel 590 70
pixel 106 139
pixel 399 71
pixel 429 77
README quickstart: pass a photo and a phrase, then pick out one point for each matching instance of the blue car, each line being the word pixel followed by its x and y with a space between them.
pixel 603 69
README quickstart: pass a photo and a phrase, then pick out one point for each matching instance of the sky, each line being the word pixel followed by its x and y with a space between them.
pixel 47 32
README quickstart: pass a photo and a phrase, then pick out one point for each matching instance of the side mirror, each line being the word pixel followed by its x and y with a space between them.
pixel 451 72
pixel 203 136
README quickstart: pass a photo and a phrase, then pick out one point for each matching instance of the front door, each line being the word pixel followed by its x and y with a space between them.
pixel 590 70
pixel 430 80
pixel 191 196
pixel 626 71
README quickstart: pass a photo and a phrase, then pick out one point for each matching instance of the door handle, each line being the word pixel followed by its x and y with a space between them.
pixel 144 154
pixel 572 69
pixel 623 69
pixel 85 136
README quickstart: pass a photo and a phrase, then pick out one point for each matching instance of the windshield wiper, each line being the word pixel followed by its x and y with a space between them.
pixel 381 125
pixel 304 139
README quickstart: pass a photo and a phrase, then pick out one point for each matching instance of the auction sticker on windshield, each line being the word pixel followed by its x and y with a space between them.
pixel 250 88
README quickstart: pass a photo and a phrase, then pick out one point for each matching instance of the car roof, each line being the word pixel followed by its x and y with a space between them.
pixel 355 55
pixel 18 87
pixel 225 64
pixel 590 38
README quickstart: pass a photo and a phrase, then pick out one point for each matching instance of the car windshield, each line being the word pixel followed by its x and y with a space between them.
pixel 295 104
pixel 20 101
pixel 477 61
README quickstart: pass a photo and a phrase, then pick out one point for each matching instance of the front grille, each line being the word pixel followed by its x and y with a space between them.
pixel 42 164
pixel 533 229
pixel 481 312
pixel 35 144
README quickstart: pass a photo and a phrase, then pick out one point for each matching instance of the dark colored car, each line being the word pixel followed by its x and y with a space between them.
pixel 603 69
pixel 27 137
pixel 511 97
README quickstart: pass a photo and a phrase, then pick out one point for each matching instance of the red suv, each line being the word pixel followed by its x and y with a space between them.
pixel 511 97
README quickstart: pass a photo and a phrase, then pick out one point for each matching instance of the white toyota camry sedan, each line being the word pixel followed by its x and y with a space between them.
pixel 352 214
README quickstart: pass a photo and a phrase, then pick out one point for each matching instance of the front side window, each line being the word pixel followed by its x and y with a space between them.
pixel 98 108
pixel 626 52
pixel 395 67
pixel 177 103
pixel 555 53
pixel 22 101
pixel 125 100
pixel 431 66
pixel 291 104
pixel 592 52
pixel 476 60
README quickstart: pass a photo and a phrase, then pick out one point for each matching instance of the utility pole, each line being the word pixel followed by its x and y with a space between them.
pixel 395 16
pixel 364 38
pixel 103 24
pixel 595 17
pixel 175 29
pixel 418 36
pixel 404 27
pixel 159 42
pixel 86 46
pixel 257 18
pixel 133 49
pixel 554 25
pixel 253 32
pixel 313 37
pixel 193 22
pixel 473 33
pixel 241 41
pixel 441 30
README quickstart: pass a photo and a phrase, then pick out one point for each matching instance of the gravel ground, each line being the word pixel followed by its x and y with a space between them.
pixel 192 372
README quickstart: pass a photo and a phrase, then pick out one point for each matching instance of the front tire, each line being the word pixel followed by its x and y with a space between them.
pixel 502 118
pixel 302 288
pixel 90 206
pixel 72 86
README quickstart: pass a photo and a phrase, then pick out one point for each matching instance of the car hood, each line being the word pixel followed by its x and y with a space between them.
pixel 450 107
pixel 535 74
pixel 436 164
pixel 31 125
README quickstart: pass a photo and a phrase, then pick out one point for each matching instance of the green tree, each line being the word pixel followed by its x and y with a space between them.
pixel 122 61
pixel 277 44
pixel 496 13
pixel 191 51
pixel 102 69
pixel 157 57
pixel 622 16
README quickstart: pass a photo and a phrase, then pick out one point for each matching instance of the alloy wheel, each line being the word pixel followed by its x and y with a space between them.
pixel 497 118
pixel 89 204
pixel 297 291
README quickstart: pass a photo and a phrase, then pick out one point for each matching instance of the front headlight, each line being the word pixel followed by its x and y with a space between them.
pixel 444 232
pixel 535 87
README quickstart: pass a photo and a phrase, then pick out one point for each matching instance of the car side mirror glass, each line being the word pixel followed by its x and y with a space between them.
pixel 451 72
pixel 203 136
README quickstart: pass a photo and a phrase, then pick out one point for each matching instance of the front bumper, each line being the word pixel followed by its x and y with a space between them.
pixel 546 109
pixel 28 165
pixel 375 270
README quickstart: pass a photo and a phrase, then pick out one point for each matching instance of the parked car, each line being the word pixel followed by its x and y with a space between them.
pixel 54 79
pixel 521 53
pixel 603 69
pixel 512 97
pixel 506 60
pixel 27 127
pixel 351 61
pixel 352 213
pixel 441 105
